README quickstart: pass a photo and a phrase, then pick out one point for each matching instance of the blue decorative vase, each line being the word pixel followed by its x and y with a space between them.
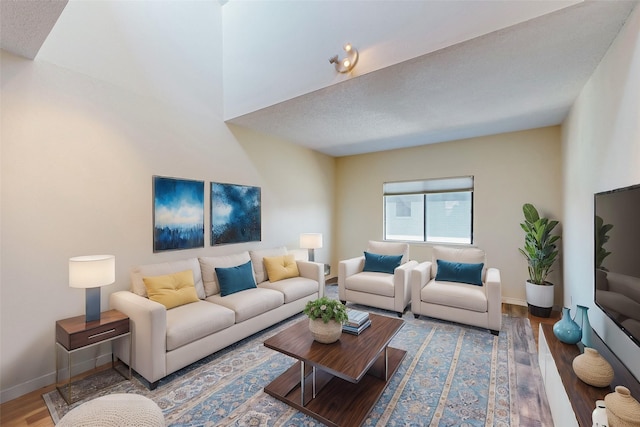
pixel 566 330
pixel 582 320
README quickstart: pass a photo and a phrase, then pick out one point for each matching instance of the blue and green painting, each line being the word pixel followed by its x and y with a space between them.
pixel 235 214
pixel 178 214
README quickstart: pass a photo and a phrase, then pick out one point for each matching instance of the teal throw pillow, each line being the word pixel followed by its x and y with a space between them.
pixel 381 263
pixel 459 272
pixel 235 279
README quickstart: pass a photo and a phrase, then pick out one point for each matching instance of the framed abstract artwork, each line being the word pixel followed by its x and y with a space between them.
pixel 178 214
pixel 235 214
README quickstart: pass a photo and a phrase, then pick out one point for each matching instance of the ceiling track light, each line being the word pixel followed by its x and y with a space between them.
pixel 347 63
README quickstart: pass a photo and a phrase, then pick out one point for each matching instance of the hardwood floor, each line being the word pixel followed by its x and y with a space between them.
pixel 30 409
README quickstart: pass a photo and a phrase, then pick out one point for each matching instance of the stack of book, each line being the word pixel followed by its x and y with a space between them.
pixel 358 322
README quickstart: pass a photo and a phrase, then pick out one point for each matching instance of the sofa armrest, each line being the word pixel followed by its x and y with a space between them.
pixel 148 333
pixel 314 271
pixel 346 268
pixel 493 286
pixel 402 284
pixel 420 276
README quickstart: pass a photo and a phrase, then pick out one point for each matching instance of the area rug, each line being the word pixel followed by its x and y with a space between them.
pixel 452 375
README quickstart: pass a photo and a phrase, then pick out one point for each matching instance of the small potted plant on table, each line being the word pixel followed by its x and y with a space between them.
pixel 326 317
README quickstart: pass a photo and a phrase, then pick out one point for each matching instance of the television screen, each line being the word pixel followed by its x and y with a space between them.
pixel 617 257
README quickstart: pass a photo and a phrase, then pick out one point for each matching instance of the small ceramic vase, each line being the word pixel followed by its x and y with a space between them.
pixel 622 409
pixel 582 320
pixel 565 329
pixel 592 368
pixel 325 333
pixel 599 415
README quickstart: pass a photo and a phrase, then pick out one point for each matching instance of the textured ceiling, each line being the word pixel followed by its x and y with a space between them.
pixel 521 77
pixel 25 25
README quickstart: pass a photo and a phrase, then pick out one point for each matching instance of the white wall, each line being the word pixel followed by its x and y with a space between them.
pixel 509 169
pixel 601 151
pixel 78 156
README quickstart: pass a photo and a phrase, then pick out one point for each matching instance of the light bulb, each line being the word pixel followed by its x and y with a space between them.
pixel 346 63
pixel 347 47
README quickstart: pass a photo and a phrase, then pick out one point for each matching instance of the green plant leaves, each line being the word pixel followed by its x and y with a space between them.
pixel 540 247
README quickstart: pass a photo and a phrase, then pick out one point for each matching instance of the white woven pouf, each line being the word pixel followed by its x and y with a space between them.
pixel 115 410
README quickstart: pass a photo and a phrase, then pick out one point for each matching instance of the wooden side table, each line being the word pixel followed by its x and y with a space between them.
pixel 74 334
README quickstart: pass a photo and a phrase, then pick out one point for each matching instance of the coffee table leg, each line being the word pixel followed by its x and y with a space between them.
pixel 386 364
pixel 301 383
pixel 314 381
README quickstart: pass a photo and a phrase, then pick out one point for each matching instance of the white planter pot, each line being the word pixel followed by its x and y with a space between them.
pixel 540 299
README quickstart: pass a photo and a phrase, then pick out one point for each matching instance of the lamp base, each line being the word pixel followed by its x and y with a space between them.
pixel 312 255
pixel 92 306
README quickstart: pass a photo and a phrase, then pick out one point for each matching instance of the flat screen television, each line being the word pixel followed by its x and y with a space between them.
pixel 617 257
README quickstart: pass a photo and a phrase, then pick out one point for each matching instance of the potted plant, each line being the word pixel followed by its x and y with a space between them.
pixel 326 317
pixel 541 253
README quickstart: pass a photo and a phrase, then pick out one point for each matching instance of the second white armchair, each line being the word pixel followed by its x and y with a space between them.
pixel 380 278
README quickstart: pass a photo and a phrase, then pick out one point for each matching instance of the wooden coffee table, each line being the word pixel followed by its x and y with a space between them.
pixel 339 383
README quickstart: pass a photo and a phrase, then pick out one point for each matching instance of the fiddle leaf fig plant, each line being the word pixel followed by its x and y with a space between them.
pixel 601 238
pixel 540 247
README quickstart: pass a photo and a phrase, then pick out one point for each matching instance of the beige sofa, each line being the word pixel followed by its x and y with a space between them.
pixel 476 305
pixel 166 340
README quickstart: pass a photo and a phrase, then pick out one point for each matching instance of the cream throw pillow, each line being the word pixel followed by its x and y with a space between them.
pixel 281 267
pixel 172 290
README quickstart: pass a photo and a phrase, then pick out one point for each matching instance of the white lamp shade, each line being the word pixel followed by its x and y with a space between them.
pixel 92 271
pixel 311 240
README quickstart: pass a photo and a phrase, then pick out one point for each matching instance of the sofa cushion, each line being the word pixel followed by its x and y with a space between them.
pixel 293 288
pixel 459 272
pixel 257 257
pixel 137 273
pixel 457 295
pixel 381 263
pixel 191 322
pixel 249 303
pixel 235 279
pixel 281 267
pixel 172 290
pixel 209 264
pixel 457 254
pixel 371 283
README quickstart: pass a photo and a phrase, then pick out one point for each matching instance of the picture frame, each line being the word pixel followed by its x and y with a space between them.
pixel 178 214
pixel 235 214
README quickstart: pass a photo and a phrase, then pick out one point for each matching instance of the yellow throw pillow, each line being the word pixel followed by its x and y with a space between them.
pixel 281 267
pixel 172 290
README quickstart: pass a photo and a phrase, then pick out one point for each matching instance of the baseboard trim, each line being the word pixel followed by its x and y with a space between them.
pixel 50 378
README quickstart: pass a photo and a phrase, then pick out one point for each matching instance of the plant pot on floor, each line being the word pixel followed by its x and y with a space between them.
pixel 540 299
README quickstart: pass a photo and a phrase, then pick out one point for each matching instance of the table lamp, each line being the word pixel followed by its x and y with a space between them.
pixel 91 272
pixel 311 241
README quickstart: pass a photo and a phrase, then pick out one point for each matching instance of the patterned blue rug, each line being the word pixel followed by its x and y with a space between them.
pixel 452 375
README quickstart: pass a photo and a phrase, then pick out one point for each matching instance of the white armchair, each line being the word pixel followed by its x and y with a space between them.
pixel 377 289
pixel 476 305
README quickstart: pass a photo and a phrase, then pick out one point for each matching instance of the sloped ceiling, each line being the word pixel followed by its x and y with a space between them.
pixel 430 71
pixel 520 77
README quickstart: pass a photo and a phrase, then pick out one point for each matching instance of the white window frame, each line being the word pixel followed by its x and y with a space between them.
pixel 426 187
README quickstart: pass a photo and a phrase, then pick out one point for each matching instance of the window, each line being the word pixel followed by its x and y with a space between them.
pixel 432 210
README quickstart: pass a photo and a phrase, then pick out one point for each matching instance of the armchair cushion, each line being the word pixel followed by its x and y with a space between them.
pixel 371 283
pixel 235 279
pixel 459 272
pixel 281 267
pixel 381 263
pixel 389 248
